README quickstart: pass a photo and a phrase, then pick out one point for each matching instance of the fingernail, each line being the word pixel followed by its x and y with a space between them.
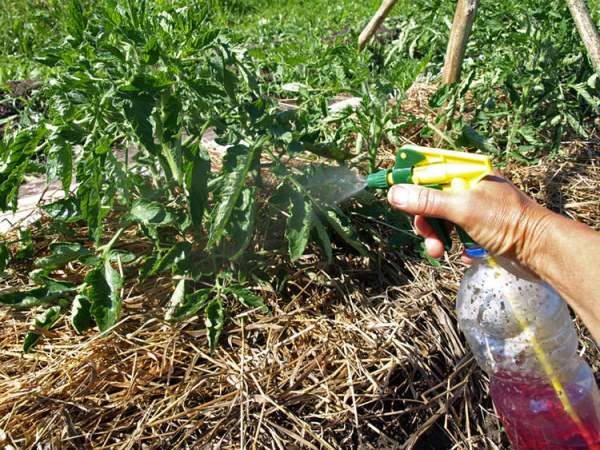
pixel 397 195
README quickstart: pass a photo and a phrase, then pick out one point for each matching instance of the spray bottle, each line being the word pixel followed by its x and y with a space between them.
pixel 517 326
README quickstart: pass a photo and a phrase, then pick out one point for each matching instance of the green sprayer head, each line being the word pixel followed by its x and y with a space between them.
pixel 378 180
pixel 383 179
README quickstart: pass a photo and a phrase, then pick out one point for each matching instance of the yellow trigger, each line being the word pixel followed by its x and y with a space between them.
pixel 455 171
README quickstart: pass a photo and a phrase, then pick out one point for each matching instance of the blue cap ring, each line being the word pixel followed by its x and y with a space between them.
pixel 476 252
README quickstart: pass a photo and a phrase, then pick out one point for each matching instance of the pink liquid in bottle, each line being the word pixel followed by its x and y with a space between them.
pixel 535 419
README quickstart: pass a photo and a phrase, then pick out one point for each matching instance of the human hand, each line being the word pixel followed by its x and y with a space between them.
pixel 495 214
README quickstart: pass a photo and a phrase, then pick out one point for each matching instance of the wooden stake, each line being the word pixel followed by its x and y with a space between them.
pixel 587 30
pixel 459 36
pixel 375 22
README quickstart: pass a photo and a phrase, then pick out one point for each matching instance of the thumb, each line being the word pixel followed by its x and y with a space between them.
pixel 419 200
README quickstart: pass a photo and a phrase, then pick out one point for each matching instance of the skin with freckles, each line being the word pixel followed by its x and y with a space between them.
pixel 506 222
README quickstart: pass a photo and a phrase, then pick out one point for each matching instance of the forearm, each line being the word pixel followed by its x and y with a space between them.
pixel 565 254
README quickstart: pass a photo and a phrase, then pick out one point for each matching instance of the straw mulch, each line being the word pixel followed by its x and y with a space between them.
pixel 360 354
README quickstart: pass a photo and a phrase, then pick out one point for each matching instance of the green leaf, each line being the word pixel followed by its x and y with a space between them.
pixel 75 20
pixel 138 111
pixel 248 299
pixel 60 163
pixel 179 252
pixel 23 299
pixel 229 82
pixel 54 286
pixel 576 125
pixel 215 318
pixel 172 155
pixel 342 225
pixel 44 321
pixel 151 213
pixel 299 225
pixel 81 314
pixel 123 256
pixel 234 183
pixel 66 210
pixel 103 286
pixel 170 117
pixel 62 253
pixel 241 226
pixel 583 93
pixel 187 306
pixel 4 257
pixel 15 158
pixel 323 237
pixel 90 192
pixel 205 38
pixel 198 188
pixel 470 137
pixel 146 266
pixel 25 247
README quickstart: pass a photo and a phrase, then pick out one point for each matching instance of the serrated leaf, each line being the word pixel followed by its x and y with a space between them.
pixel 233 184
pixel 151 213
pixel 60 163
pixel 198 188
pixel 90 192
pixel 44 321
pixel 75 20
pixel 342 226
pixel 249 299
pixel 103 291
pixel 187 306
pixel 299 225
pixel 214 321
pixel 81 314
pixel 138 111
pixel 62 253
pixel 583 93
pixel 205 39
pixel 15 156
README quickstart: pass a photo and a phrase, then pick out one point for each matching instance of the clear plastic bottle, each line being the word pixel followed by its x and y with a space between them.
pixel 521 334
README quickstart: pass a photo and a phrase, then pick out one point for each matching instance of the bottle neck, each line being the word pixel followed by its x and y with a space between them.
pixel 476 252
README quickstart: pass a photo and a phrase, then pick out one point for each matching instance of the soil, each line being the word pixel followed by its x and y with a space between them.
pixel 12 97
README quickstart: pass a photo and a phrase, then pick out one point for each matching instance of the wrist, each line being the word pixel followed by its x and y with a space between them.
pixel 535 244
